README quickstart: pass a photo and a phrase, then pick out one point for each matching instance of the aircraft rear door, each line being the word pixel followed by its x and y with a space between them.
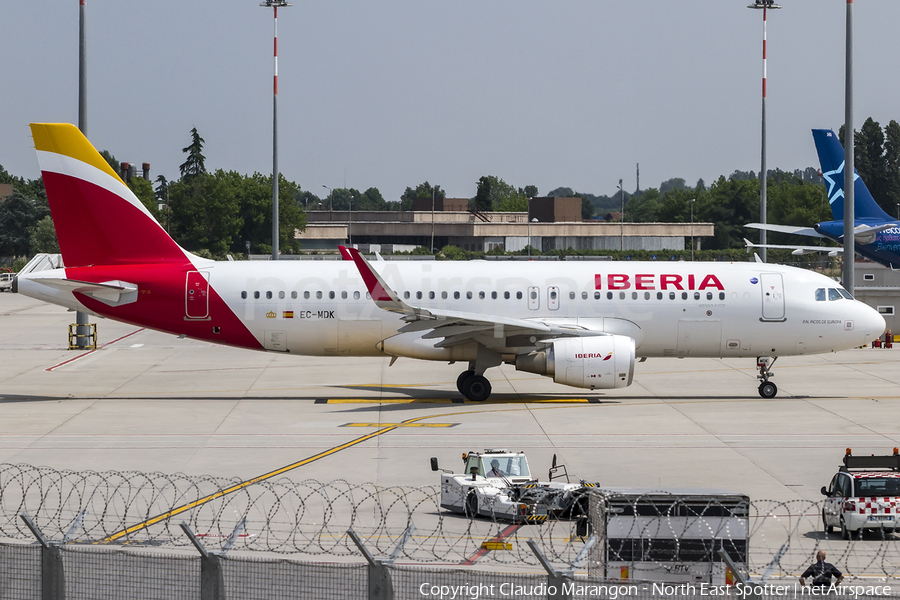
pixel 772 296
pixel 196 295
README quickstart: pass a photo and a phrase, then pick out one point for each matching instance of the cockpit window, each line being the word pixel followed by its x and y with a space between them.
pixel 833 294
pixel 845 293
pixel 820 295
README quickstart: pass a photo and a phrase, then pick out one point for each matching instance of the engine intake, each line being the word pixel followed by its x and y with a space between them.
pixel 597 362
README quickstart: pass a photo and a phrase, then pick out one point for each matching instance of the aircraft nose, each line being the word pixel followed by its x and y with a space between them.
pixel 869 322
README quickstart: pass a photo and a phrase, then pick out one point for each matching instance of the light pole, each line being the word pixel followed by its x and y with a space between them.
pixel 529 225
pixel 81 318
pixel 274 4
pixel 330 199
pixel 765 5
pixel 847 272
pixel 692 229
pixel 350 225
pixel 622 218
pixel 432 220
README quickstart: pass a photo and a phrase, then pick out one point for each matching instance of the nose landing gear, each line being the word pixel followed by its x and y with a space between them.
pixel 767 389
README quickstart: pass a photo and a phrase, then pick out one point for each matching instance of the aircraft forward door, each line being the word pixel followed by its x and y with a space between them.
pixel 772 288
pixel 196 295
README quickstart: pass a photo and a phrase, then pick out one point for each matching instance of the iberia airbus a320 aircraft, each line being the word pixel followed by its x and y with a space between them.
pixel 581 323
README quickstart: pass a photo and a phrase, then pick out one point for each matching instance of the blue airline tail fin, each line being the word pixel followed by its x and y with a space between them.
pixel 831 157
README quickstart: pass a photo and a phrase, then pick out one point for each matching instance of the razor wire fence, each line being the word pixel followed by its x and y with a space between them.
pixel 311 519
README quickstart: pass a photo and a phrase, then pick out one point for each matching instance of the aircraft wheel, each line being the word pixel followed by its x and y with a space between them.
pixel 461 381
pixel 476 388
pixel 767 389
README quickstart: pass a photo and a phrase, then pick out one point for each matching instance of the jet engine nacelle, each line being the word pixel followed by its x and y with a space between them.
pixel 597 362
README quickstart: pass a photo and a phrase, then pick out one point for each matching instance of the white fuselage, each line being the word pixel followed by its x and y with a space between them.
pixel 669 308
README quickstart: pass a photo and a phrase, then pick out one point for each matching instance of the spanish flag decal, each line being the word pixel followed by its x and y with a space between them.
pixel 288 314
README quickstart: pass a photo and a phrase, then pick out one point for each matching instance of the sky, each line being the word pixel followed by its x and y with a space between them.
pixel 571 93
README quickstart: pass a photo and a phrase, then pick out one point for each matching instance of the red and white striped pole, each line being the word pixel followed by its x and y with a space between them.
pixel 764 5
pixel 274 4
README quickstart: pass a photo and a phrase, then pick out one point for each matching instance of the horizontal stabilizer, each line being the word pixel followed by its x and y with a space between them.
pixel 111 293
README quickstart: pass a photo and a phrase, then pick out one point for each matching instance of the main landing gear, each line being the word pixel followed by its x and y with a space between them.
pixel 474 387
pixel 767 389
pixel 471 383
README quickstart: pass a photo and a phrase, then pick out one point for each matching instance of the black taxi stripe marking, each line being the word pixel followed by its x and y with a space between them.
pixel 237 487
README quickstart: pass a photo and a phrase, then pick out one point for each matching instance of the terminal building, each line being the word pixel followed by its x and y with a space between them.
pixel 550 224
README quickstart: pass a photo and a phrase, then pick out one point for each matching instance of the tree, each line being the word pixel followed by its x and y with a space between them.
pixel 42 237
pixel 423 191
pixel 892 163
pixel 195 164
pixel 529 191
pixel 494 194
pixel 143 189
pixel 110 160
pixel 205 212
pixel 18 214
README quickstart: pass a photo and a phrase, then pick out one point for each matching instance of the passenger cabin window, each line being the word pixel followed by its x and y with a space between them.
pixel 356 295
pixel 343 295
pixel 468 295
pixel 506 295
pixel 318 295
pixel 418 295
pixel 481 295
pixel 494 295
pixel 331 295
pixel 456 295
pixel 268 295
pixel 281 295
pixel 571 295
pixel 306 295
pixel 431 295
pixel 293 295
pixel 256 295
pixel 243 295
pixel 596 295
pixel 406 295
pixel 443 295
pixel 518 295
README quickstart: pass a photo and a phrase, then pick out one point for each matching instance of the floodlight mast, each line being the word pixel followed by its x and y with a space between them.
pixel 275 4
pixel 765 5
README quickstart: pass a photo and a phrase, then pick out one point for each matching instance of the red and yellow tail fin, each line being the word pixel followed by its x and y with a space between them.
pixel 98 220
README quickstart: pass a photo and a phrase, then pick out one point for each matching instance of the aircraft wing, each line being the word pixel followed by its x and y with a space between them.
pixel 808 231
pixel 456 327
pixel 797 250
